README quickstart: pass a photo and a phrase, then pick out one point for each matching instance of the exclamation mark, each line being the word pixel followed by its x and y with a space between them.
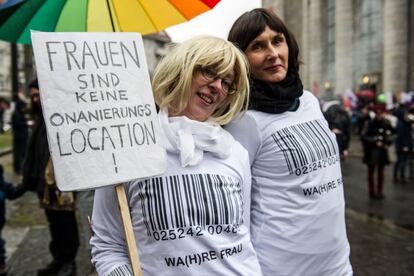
pixel 113 158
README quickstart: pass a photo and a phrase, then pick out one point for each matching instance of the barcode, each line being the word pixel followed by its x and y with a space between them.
pixel 190 200
pixel 305 144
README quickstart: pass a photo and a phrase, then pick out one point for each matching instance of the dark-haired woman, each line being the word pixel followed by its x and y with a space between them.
pixel 297 211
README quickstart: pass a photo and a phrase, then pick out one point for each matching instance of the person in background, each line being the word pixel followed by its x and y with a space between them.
pixel 20 134
pixel 411 159
pixel 84 206
pixel 201 205
pixel 339 122
pixel 7 191
pixel 403 141
pixel 363 116
pixel 298 207
pixel 59 206
pixel 4 105
pixel 377 136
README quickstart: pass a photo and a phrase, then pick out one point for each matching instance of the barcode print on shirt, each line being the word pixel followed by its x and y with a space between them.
pixel 190 200
pixel 305 144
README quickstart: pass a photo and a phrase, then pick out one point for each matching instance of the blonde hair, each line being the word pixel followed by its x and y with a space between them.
pixel 174 75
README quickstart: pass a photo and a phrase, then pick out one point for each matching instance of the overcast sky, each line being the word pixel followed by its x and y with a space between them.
pixel 214 22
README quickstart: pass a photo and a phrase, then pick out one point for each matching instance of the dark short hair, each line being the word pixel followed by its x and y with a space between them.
pixel 34 84
pixel 252 23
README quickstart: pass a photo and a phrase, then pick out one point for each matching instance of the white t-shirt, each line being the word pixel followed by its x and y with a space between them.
pixel 192 220
pixel 297 216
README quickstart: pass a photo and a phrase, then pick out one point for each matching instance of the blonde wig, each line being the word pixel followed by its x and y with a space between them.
pixel 174 75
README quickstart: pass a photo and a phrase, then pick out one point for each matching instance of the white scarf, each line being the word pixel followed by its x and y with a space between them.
pixel 192 138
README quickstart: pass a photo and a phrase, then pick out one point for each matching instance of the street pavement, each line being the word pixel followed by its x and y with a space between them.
pixel 27 235
pixel 380 232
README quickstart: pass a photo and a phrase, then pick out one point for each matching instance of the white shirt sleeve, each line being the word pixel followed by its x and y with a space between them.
pixel 246 131
pixel 109 252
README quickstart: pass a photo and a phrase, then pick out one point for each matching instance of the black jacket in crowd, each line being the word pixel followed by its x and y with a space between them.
pixel 377 135
pixel 37 157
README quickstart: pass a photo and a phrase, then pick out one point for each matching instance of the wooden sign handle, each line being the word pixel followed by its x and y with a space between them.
pixel 129 233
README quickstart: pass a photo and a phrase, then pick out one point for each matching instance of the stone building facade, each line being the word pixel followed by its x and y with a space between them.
pixel 4 68
pixel 352 44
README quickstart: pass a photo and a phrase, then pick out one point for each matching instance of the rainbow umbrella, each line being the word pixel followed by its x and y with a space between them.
pixel 18 17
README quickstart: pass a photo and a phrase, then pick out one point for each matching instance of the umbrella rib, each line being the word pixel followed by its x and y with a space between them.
pixel 110 15
pixel 148 15
pixel 180 12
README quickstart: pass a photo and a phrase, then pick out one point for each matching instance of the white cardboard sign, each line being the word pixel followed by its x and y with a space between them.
pixel 97 103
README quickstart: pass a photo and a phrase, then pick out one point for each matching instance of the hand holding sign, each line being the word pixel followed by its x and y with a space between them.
pixel 98 108
pixel 99 112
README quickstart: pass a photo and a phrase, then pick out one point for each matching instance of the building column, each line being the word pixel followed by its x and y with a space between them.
pixel 277 6
pixel 28 69
pixel 411 43
pixel 315 46
pixel 304 48
pixel 343 46
pixel 395 46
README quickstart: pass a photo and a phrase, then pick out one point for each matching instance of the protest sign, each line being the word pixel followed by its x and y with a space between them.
pixel 98 107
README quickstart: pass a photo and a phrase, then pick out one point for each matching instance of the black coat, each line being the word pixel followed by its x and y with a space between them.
pixel 37 157
pixel 19 122
pixel 404 141
pixel 377 136
pixel 34 170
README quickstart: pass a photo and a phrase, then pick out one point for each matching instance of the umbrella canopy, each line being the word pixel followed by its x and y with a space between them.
pixel 18 17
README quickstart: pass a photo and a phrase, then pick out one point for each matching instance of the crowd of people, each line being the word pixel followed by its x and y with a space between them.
pixel 382 131
pixel 253 184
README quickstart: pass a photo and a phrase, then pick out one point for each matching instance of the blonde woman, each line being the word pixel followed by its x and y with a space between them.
pixel 195 218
